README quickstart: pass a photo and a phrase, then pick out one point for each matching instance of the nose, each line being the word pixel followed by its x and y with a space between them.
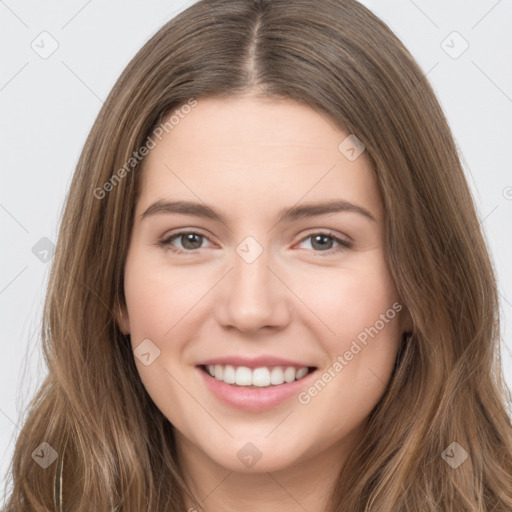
pixel 253 296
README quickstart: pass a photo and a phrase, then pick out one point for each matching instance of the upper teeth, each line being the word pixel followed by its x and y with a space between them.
pixel 263 376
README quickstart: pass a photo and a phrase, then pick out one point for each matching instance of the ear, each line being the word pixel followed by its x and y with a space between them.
pixel 122 318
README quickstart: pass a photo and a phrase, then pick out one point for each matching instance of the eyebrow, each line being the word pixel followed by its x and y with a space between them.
pixel 288 214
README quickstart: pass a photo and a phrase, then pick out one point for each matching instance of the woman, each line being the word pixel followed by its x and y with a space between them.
pixel 270 288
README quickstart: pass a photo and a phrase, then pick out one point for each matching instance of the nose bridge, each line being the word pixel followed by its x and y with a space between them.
pixel 253 297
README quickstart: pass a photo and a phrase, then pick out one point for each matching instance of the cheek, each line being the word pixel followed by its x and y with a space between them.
pixel 157 295
pixel 348 300
pixel 362 309
pixel 155 303
pixel 357 305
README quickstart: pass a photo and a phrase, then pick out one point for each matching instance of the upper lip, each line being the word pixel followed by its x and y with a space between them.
pixel 254 362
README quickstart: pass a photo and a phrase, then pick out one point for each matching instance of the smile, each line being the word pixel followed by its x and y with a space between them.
pixel 274 385
pixel 263 376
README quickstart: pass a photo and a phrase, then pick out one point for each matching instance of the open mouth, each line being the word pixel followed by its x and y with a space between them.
pixel 262 377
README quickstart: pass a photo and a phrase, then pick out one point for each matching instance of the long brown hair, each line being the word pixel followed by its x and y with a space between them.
pixel 114 448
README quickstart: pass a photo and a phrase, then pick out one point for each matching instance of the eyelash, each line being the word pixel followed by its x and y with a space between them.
pixel 343 244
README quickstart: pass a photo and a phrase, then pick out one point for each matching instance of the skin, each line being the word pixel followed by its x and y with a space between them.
pixel 248 159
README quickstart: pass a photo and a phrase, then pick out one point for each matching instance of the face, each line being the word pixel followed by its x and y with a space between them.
pixel 235 268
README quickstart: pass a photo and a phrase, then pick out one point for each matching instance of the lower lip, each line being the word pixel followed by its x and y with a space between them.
pixel 253 399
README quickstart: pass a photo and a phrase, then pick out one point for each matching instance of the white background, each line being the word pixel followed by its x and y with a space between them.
pixel 48 107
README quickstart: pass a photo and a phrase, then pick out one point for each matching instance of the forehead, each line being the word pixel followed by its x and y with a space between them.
pixel 263 152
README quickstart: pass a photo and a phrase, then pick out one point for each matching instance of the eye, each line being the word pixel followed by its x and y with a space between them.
pixel 190 242
pixel 323 241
